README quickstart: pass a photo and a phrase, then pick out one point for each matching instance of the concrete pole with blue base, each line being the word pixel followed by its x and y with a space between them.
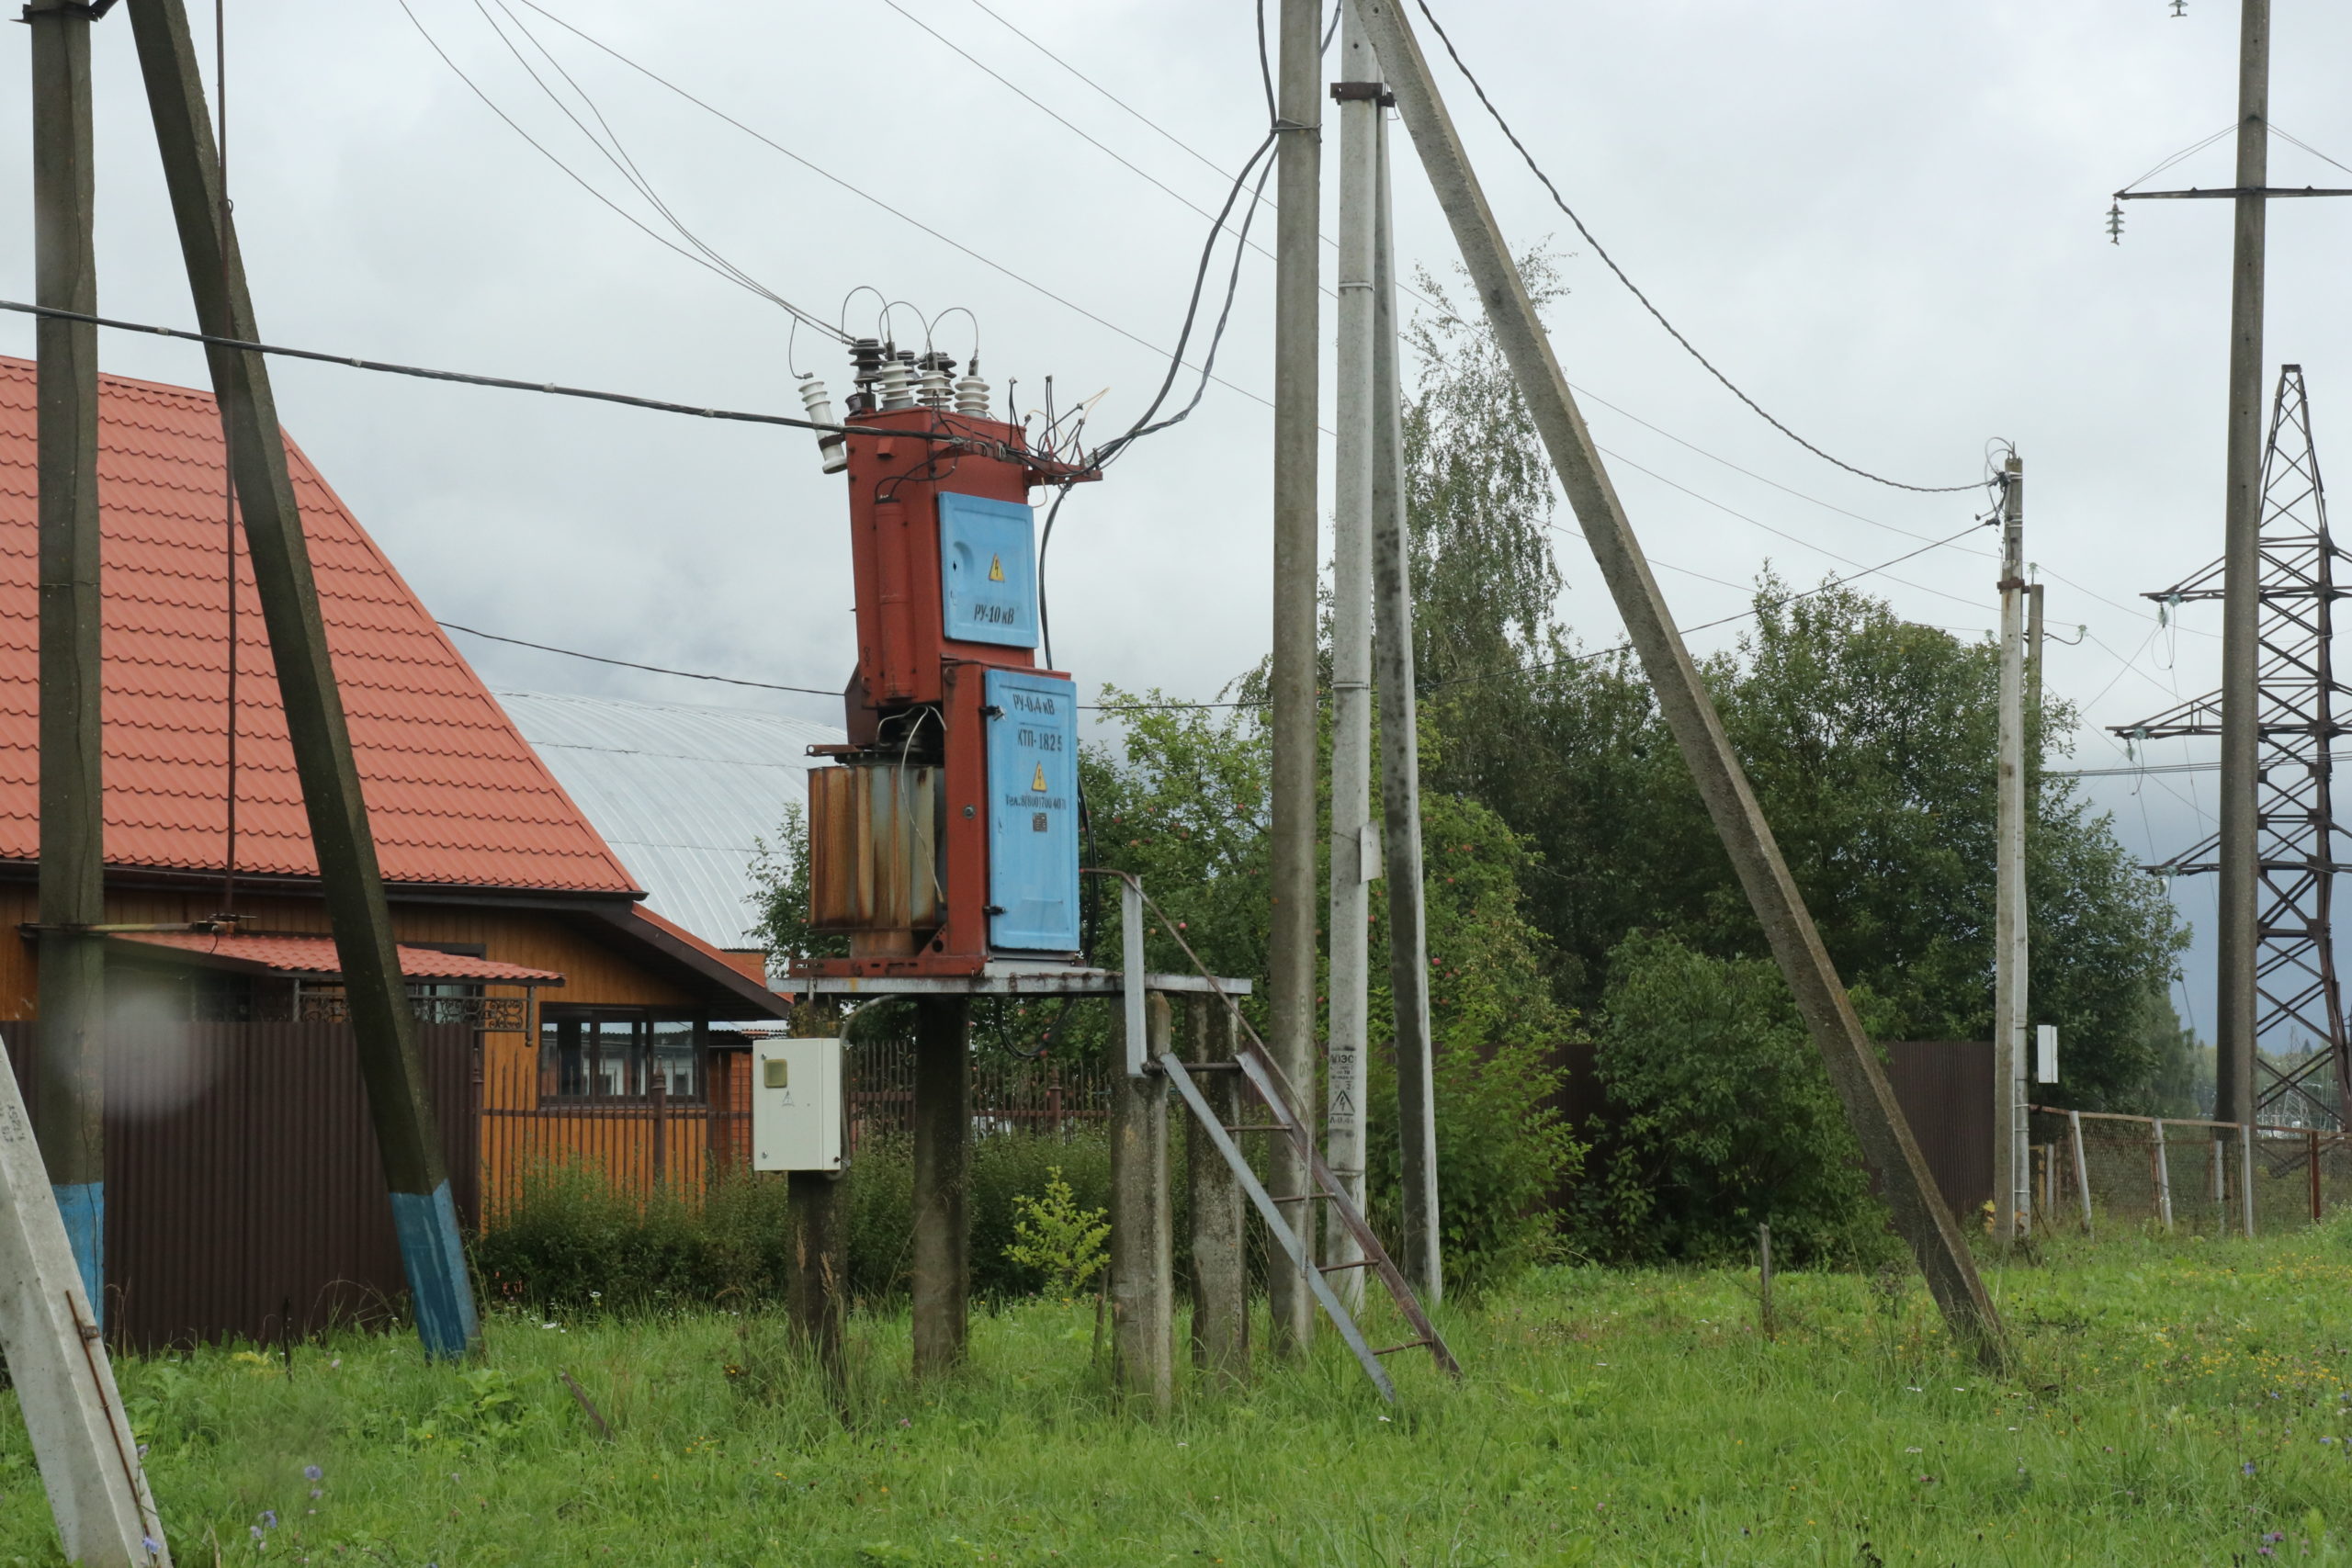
pixel 425 1217
pixel 72 810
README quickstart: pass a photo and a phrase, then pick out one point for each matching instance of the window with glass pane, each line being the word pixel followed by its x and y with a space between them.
pixel 618 1053
pixel 676 1061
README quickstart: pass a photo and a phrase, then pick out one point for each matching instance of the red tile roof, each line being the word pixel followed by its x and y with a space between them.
pixel 456 796
pixel 316 955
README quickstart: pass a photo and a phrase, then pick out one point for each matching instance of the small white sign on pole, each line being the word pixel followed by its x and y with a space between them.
pixel 2045 1052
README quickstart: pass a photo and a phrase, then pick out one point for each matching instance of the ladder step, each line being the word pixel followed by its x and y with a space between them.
pixel 1302 1198
pixel 1359 1263
pixel 1260 1128
pixel 1408 1345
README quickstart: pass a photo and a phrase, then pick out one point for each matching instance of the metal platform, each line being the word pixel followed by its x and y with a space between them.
pixel 1009 977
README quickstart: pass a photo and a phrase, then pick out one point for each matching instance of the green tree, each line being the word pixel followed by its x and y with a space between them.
pixel 1179 798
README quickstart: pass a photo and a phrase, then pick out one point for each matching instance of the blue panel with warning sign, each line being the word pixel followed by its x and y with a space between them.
pixel 988 570
pixel 1033 812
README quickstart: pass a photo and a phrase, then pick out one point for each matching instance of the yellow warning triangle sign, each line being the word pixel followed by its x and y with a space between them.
pixel 996 569
pixel 1038 786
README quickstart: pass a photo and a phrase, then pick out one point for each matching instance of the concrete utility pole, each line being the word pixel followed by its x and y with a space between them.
pixel 1220 1263
pixel 2241 580
pixel 1400 773
pixel 1291 955
pixel 1919 1213
pixel 72 801
pixel 941 1252
pixel 1356 408
pixel 423 1214
pixel 1143 1306
pixel 2012 1166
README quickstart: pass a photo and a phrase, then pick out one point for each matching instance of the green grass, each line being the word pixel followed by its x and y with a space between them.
pixel 2175 1407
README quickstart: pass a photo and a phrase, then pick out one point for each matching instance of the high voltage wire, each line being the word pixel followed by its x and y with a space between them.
pixel 1178 142
pixel 1070 125
pixel 1561 202
pixel 830 177
pixel 1073 128
pixel 1247 702
pixel 708 260
pixel 459 377
pixel 1189 150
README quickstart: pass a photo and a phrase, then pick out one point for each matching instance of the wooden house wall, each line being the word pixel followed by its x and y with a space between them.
pixel 516 1137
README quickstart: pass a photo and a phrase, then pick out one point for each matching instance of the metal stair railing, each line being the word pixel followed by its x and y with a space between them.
pixel 1273 1090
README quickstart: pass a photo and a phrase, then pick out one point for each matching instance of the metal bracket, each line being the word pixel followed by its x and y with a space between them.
pixel 93 9
pixel 1131 967
pixel 211 927
pixel 1363 92
pixel 2226 193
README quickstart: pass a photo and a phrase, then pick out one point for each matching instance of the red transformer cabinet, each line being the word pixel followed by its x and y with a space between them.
pixel 911 832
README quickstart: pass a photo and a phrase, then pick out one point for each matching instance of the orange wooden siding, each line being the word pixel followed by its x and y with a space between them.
pixel 517 1137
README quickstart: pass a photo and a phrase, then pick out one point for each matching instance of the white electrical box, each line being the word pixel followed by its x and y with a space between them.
pixel 2045 1052
pixel 796 1105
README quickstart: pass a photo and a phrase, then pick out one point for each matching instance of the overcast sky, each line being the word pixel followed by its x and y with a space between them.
pixel 1886 220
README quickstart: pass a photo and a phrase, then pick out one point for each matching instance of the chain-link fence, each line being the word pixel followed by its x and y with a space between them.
pixel 2092 1168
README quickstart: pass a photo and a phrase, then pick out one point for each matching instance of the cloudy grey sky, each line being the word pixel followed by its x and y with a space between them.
pixel 1886 220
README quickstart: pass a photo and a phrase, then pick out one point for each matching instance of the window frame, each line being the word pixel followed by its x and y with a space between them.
pixel 558 1024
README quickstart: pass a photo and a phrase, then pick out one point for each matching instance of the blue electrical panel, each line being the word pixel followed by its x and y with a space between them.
pixel 988 570
pixel 1033 812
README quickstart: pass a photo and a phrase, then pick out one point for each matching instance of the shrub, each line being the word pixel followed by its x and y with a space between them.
pixel 573 1240
pixel 1057 1239
pixel 1721 1116
pixel 1005 1170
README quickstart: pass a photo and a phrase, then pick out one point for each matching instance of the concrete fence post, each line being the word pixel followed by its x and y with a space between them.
pixel 2082 1167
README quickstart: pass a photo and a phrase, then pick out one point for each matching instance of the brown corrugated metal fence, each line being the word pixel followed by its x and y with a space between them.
pixel 243 1186
pixel 1945 1087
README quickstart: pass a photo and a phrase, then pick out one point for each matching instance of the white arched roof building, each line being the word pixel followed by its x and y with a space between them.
pixel 683 794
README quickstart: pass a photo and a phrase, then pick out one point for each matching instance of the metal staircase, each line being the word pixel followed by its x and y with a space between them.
pixel 1258 1070
pixel 1273 1091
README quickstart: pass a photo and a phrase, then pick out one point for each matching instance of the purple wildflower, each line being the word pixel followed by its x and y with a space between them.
pixel 2247 1469
pixel 269 1518
pixel 311 1473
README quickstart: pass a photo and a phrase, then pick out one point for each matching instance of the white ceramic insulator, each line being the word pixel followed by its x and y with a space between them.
pixel 972 396
pixel 830 443
pixel 817 399
pixel 933 392
pixel 893 384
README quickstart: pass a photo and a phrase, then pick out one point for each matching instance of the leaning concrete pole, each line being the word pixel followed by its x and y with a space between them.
pixel 424 1216
pixel 1351 870
pixel 2237 856
pixel 81 1439
pixel 1400 775
pixel 1886 1142
pixel 1290 959
pixel 73 804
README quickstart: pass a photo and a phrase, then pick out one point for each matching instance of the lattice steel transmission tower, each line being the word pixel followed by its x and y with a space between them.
pixel 2304 1066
